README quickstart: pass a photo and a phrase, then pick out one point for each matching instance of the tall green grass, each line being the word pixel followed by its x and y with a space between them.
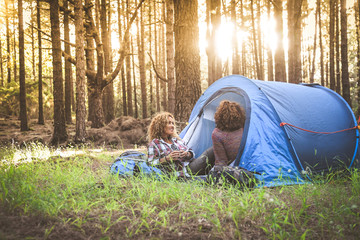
pixel 80 194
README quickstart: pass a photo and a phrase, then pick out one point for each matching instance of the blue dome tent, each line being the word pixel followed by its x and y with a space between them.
pixel 290 129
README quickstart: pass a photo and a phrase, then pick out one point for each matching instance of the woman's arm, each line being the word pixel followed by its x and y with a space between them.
pixel 156 155
pixel 187 153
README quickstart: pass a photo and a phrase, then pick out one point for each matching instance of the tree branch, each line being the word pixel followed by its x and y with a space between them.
pixel 123 53
pixel 71 44
pixel 156 72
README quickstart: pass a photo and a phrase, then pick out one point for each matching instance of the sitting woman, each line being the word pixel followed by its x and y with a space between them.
pixel 169 151
pixel 226 137
pixel 166 147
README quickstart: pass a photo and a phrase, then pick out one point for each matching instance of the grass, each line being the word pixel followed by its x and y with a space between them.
pixel 75 197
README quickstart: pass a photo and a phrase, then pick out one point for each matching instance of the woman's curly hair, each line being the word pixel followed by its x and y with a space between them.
pixel 158 124
pixel 229 116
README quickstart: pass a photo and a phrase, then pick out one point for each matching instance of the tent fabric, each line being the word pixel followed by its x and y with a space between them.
pixel 282 154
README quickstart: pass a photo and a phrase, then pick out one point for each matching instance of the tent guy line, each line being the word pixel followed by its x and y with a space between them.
pixel 306 130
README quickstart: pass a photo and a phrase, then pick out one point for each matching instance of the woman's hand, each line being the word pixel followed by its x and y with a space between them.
pixel 185 155
pixel 175 155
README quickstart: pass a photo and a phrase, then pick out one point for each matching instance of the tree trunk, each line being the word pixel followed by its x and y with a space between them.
pixel 243 53
pixel 235 54
pixel 294 35
pixel 157 84
pixel 128 72
pixel 152 105
pixel 312 72
pixel 128 84
pixel 1 65
pixel 80 73
pixel 108 92
pixel 23 113
pixel 337 49
pixel 15 62
pixel 270 63
pixel 41 108
pixel 7 41
pixel 187 58
pixel 136 104
pixel 254 35
pixel 95 80
pixel 162 60
pixel 331 46
pixel 141 51
pixel 344 56
pixel 68 68
pixel 59 134
pixel 214 67
pixel 321 46
pixel 280 70
pixel 260 42
pixel 122 84
pixel 357 21
pixel 90 64
pixel 32 43
pixel 170 59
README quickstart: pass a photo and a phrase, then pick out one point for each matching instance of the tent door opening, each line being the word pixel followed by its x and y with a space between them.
pixel 198 135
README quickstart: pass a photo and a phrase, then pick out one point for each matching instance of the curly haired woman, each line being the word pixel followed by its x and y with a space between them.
pixel 170 151
pixel 226 137
pixel 166 147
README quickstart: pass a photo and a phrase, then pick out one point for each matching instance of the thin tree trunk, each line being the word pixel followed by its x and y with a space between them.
pixel 108 92
pixel 157 85
pixel 243 53
pixel 128 73
pixel 141 51
pixel 59 134
pixel 15 62
pixel 208 40
pixel 41 108
pixel 162 57
pixel 331 46
pixel 214 67
pixel 123 79
pixel 280 69
pixel 260 42
pixel 7 41
pixel 312 72
pixel 321 46
pixel 270 63
pixel 68 67
pixel 254 35
pixel 344 56
pixel 1 65
pixel 80 73
pixel 357 22
pixel 90 65
pixel 170 59
pixel 32 44
pixel 152 105
pixel 235 55
pixel 134 79
pixel 23 111
pixel 337 49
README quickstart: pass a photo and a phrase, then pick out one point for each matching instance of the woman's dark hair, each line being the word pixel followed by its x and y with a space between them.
pixel 229 116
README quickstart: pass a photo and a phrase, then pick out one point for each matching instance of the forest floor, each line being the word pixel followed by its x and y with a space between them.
pixel 121 133
pixel 68 193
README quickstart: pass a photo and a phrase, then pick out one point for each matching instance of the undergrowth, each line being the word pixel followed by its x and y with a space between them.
pixel 77 194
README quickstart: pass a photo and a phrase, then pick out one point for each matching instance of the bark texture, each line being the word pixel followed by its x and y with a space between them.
pixel 187 57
